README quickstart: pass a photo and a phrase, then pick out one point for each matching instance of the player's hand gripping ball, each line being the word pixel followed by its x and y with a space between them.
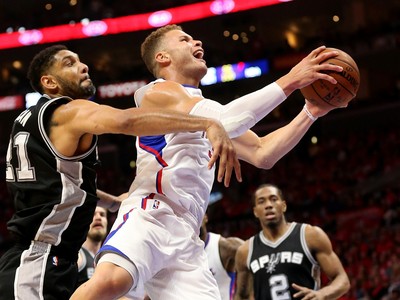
pixel 324 93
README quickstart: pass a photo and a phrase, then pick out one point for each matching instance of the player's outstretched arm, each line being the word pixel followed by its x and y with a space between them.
pixel 264 152
pixel 243 113
pixel 82 117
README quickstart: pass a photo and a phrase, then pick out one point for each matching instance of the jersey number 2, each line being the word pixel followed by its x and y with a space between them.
pixel 279 287
pixel 25 172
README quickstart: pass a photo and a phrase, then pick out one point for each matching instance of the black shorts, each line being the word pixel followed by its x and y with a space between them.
pixel 41 275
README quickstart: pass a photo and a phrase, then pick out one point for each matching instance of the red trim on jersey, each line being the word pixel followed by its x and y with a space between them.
pixel 144 200
pixel 159 182
pixel 155 153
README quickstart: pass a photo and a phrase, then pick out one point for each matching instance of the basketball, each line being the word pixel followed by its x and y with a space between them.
pixel 324 93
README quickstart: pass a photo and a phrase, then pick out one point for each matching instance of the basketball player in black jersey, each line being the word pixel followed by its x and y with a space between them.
pixel 283 261
pixel 97 233
pixel 51 160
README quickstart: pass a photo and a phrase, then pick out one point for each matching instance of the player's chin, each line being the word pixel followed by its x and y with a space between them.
pixel 271 222
pixel 88 89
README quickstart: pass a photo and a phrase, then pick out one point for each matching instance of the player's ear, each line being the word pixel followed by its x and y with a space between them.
pixel 48 82
pixel 162 57
pixel 255 212
pixel 284 206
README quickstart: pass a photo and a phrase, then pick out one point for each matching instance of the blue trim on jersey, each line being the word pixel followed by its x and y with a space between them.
pixel 190 86
pixel 154 145
pixel 232 275
pixel 125 218
pixel 112 249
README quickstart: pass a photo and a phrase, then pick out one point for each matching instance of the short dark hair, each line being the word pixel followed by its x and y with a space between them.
pixel 151 44
pixel 40 64
pixel 264 185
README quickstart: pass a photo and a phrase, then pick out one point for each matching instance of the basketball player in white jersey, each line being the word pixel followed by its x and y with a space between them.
pixel 154 244
pixel 221 253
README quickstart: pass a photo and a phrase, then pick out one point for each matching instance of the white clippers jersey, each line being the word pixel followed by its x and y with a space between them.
pixel 225 280
pixel 172 168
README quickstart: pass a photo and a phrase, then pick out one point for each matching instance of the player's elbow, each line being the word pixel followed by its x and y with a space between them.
pixel 265 163
pixel 345 284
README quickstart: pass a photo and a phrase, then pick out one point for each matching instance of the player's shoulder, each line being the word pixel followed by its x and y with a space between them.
pixel 233 240
pixel 312 230
pixel 245 246
pixel 230 243
pixel 315 237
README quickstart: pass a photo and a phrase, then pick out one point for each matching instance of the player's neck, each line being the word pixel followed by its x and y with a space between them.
pixel 92 246
pixel 273 233
pixel 180 78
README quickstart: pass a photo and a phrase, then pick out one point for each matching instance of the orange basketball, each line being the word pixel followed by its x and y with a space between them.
pixel 338 95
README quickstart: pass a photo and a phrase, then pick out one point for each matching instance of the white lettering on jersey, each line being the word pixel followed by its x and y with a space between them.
pixel 282 257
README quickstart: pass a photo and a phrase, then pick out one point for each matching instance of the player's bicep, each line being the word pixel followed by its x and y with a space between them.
pixel 331 265
pixel 80 117
pixel 321 245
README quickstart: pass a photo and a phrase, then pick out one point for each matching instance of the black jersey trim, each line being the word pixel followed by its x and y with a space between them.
pixel 46 138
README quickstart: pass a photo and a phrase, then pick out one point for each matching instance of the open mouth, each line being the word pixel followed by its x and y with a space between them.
pixel 198 54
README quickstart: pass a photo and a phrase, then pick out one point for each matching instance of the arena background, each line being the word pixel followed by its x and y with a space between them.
pixel 343 176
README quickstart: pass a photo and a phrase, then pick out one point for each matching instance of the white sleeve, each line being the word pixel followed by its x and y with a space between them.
pixel 241 114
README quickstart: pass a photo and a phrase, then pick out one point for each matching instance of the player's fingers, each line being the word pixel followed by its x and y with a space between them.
pixel 232 164
pixel 316 51
pixel 300 290
pixel 328 67
pixel 321 57
pixel 222 166
pixel 238 170
pixel 215 154
pixel 228 174
pixel 297 287
pixel 327 77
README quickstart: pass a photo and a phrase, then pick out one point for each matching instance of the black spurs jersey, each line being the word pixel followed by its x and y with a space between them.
pixel 54 196
pixel 276 265
pixel 86 269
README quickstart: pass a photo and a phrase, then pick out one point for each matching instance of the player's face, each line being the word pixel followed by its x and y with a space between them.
pixel 72 76
pixel 269 207
pixel 185 53
pixel 98 227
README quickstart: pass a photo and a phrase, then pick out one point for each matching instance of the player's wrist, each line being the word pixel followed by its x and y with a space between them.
pixel 287 84
pixel 211 123
pixel 309 114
